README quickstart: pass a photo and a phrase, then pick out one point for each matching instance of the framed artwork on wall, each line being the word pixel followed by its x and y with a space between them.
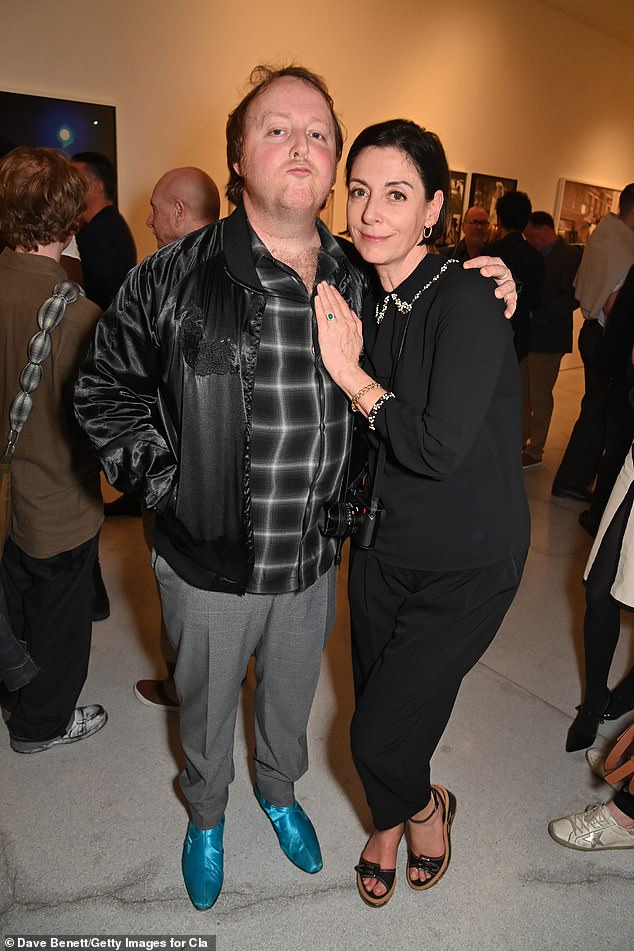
pixel 64 124
pixel 485 191
pixel 455 206
pixel 580 207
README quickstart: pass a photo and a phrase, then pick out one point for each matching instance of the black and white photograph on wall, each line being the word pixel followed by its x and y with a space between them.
pixel 485 191
pixel 580 207
pixel 455 205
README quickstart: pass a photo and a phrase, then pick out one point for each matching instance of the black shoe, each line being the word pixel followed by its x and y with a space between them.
pixel 590 522
pixel 579 495
pixel 617 707
pixel 100 599
pixel 583 729
pixel 126 506
pixel 530 462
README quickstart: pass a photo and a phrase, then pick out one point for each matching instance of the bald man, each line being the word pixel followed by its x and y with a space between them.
pixel 183 200
pixel 475 228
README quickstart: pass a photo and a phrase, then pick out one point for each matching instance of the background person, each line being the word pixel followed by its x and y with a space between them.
pixel 526 264
pixel 47 565
pixel 475 227
pixel 614 367
pixel 607 257
pixel 183 200
pixel 609 577
pixel 427 600
pixel 550 332
pixel 107 252
pixel 105 243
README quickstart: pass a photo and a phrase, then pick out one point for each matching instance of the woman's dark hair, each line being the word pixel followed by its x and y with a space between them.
pixel 260 79
pixel 424 150
pixel 41 198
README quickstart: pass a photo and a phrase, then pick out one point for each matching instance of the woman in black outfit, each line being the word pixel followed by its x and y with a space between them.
pixel 450 548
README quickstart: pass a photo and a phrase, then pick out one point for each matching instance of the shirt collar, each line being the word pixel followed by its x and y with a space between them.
pixel 330 256
pixel 424 271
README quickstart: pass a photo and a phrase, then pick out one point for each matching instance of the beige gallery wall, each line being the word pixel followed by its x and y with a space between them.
pixel 513 88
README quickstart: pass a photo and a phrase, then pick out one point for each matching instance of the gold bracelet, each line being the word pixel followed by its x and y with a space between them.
pixel 354 403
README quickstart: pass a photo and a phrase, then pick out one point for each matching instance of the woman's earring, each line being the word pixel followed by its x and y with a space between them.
pixel 427 230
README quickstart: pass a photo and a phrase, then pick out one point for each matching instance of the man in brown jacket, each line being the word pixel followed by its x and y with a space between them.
pixel 46 567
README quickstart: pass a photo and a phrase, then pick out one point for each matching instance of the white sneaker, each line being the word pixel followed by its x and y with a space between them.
pixel 85 721
pixel 591 831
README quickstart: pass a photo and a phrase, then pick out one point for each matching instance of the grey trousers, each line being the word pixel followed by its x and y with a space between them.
pixel 215 634
pixel 167 651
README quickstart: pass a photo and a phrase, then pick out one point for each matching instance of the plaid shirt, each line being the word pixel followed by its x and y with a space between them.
pixel 300 430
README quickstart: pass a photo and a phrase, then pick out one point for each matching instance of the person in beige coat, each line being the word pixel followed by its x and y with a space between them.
pixel 609 577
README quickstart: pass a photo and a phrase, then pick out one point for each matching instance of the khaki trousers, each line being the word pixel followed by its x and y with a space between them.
pixel 539 375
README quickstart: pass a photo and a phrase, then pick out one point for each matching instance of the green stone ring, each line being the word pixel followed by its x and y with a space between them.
pixel 330 316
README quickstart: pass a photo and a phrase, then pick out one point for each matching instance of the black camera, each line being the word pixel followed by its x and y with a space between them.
pixel 352 517
pixel 342 519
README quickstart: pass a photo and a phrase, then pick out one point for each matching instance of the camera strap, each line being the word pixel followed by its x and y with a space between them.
pixel 380 458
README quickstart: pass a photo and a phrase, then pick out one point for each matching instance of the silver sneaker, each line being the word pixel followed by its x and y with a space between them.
pixel 595 759
pixel 85 721
pixel 591 831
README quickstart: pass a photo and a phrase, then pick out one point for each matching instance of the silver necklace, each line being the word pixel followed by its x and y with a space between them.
pixel 403 306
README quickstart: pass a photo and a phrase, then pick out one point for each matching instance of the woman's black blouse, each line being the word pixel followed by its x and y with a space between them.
pixel 452 490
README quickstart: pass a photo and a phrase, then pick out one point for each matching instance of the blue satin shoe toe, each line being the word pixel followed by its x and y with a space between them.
pixel 203 864
pixel 296 834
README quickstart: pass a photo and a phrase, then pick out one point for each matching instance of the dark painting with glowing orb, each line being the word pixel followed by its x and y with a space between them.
pixel 56 123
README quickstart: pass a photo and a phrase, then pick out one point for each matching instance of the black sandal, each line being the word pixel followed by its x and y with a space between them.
pixel 435 867
pixel 386 876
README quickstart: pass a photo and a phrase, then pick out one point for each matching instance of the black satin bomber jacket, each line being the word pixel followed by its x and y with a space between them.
pixel 171 372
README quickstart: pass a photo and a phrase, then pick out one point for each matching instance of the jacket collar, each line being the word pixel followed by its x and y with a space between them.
pixel 237 251
pixel 32 264
pixel 237 248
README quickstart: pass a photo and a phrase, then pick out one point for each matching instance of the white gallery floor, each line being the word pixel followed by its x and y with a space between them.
pixel 91 834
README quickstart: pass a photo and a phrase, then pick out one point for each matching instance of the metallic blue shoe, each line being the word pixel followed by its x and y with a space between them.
pixel 297 837
pixel 203 864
